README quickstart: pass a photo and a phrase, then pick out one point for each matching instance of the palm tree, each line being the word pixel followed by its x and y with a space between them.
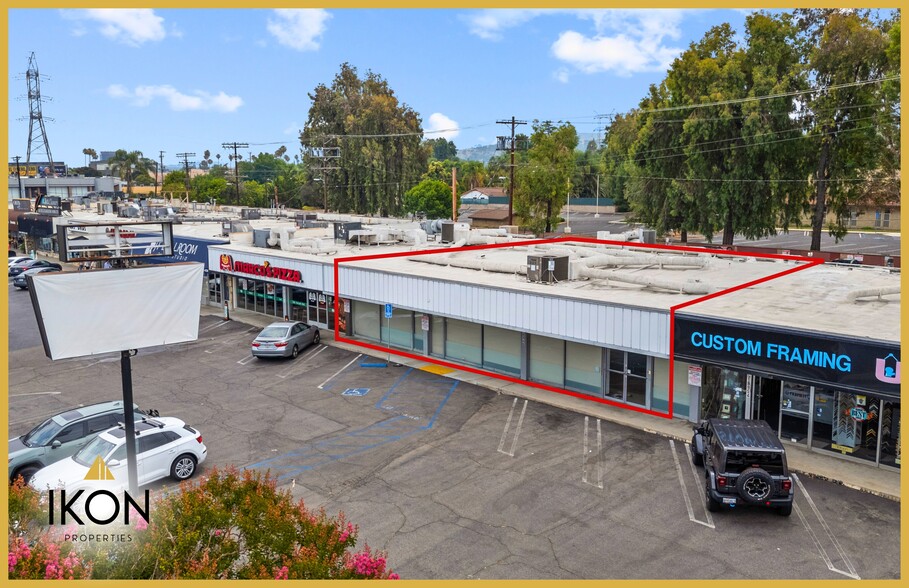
pixel 89 152
pixel 127 163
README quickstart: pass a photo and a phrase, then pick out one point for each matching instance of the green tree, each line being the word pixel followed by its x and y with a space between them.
pixel 126 165
pixel 431 197
pixel 369 136
pixel 253 194
pixel 543 183
pixel 174 182
pixel 847 143
pixel 442 149
pixel 205 188
pixel 620 135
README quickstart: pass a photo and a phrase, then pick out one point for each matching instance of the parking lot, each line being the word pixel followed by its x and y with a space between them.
pixel 455 481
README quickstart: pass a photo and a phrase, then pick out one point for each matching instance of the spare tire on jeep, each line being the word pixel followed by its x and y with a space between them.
pixel 754 485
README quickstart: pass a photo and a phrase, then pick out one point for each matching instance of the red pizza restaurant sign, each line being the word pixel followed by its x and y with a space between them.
pixel 265 269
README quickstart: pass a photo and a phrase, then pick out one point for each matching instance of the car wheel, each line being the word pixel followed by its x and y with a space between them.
pixel 316 338
pixel 712 505
pixel 785 510
pixel 27 472
pixel 183 467
pixel 754 485
pixel 295 352
pixel 696 457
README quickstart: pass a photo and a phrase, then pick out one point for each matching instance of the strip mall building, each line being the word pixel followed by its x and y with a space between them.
pixel 814 352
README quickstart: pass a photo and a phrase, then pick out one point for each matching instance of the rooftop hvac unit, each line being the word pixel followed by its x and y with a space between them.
pixel 260 237
pixel 547 269
pixel 448 232
pixel 343 229
pixel 250 213
pixel 648 236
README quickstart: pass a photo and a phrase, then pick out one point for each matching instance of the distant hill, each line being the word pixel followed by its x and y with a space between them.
pixel 478 153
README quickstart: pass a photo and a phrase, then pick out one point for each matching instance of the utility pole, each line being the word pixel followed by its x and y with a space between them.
pixel 161 171
pixel 19 174
pixel 501 147
pixel 454 194
pixel 37 135
pixel 597 214
pixel 186 157
pixel 236 146
pixel 325 154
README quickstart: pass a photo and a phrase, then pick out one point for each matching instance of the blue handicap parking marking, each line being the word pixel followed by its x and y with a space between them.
pixel 355 392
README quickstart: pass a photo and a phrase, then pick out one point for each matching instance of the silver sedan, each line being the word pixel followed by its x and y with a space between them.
pixel 285 339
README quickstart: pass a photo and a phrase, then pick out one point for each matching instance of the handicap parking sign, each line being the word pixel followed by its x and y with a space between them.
pixel 388 311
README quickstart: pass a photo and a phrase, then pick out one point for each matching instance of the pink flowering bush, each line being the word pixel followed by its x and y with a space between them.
pixel 228 525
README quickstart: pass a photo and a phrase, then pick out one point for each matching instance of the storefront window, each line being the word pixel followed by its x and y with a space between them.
pixel 418 332
pixel 795 403
pixel 365 318
pixel 890 433
pixel 583 368
pixel 398 330
pixel 502 350
pixel 547 360
pixel 214 288
pixel 437 330
pixel 297 304
pixel 723 393
pixel 464 341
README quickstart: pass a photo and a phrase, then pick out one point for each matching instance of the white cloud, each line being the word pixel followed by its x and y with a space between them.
pixel 489 24
pixel 198 100
pixel 128 26
pixel 441 126
pixel 299 29
pixel 623 41
pixel 637 43
pixel 561 75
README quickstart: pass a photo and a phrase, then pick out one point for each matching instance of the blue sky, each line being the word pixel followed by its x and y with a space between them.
pixel 190 80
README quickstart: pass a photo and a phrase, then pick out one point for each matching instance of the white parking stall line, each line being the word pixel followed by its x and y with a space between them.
pixel 678 469
pixel 208 328
pixel 702 492
pixel 340 370
pixel 246 359
pixel 836 544
pixel 517 430
pixel 52 393
pixel 300 364
pixel 598 457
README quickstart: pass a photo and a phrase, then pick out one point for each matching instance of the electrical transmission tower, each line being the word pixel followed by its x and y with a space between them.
pixel 37 135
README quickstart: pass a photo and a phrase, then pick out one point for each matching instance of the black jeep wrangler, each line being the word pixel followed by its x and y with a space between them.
pixel 744 463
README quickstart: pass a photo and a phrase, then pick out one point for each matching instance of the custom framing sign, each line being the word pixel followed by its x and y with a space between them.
pixel 103 311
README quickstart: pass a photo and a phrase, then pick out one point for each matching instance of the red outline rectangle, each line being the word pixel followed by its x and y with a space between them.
pixel 809 262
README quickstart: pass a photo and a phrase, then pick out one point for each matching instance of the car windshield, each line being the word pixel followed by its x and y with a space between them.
pixel 96 447
pixel 274 332
pixel 43 433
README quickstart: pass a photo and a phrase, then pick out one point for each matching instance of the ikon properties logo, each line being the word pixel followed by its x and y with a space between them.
pixel 100 505
pixel 887 369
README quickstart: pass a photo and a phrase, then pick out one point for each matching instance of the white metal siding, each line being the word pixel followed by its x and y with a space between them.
pixel 596 323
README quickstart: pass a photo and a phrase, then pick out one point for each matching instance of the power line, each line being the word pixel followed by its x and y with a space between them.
pixel 235 145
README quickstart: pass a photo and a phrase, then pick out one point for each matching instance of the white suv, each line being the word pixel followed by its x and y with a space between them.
pixel 165 446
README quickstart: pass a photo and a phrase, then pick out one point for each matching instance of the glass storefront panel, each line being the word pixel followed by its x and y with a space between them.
pixel 464 341
pixel 636 390
pixel 437 332
pixel 215 288
pixel 890 434
pixel 398 330
pixel 794 412
pixel 502 350
pixel 616 385
pixel 855 423
pixel 297 304
pixel 547 360
pixel 583 368
pixel 723 393
pixel 418 332
pixel 365 318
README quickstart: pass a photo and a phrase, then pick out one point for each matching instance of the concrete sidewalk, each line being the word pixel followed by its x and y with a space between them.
pixel 816 464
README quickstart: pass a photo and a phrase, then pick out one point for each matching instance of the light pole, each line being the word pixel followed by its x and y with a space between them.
pixel 568 203
pixel 597 213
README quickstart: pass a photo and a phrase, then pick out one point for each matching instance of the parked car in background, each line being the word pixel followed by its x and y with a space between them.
pixel 17 259
pixel 285 339
pixel 16 269
pixel 62 435
pixel 22 283
pixel 165 446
